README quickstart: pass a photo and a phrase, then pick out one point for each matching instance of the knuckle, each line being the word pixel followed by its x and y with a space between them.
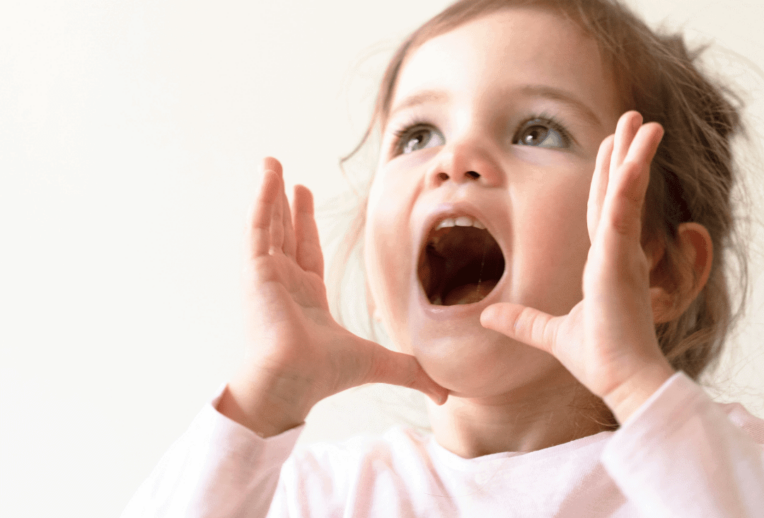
pixel 539 329
pixel 519 321
pixel 622 221
pixel 377 367
pixel 410 378
pixel 528 323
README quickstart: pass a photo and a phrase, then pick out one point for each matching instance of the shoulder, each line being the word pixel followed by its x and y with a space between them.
pixel 743 419
pixel 680 412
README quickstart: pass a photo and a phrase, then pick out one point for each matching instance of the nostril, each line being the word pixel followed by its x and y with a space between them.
pixel 472 174
pixel 442 177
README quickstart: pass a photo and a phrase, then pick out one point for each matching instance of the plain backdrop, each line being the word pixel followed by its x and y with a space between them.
pixel 130 134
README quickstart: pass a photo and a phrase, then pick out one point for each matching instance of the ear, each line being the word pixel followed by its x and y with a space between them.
pixel 672 289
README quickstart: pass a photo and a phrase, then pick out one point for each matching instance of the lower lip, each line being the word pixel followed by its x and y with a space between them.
pixel 459 310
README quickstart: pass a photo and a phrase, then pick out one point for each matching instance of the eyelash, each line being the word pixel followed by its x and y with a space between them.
pixel 416 123
pixel 406 128
pixel 553 123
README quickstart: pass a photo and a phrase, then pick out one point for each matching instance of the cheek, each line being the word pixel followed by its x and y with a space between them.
pixel 551 244
pixel 387 248
pixel 561 215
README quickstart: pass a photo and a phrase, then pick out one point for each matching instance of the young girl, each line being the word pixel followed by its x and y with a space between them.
pixel 544 243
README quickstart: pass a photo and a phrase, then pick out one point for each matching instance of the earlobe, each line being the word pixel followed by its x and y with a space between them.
pixel 671 292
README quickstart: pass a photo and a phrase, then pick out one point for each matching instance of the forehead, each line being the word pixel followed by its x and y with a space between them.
pixel 508 49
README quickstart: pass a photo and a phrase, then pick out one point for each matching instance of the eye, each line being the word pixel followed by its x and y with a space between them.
pixel 419 137
pixel 544 133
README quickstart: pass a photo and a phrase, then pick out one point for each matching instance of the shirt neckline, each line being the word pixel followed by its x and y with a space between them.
pixel 565 449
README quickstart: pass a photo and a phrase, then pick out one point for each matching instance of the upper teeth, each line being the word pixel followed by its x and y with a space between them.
pixel 461 221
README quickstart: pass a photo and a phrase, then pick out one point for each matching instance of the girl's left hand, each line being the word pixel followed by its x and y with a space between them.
pixel 608 340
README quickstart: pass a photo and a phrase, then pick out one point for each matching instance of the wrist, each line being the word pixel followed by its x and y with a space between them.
pixel 632 393
pixel 266 404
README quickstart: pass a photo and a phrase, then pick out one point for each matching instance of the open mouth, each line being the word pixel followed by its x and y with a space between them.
pixel 461 262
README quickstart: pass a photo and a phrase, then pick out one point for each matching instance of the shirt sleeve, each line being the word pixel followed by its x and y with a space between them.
pixel 217 468
pixel 681 455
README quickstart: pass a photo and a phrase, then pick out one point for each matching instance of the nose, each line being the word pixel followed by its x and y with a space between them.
pixel 464 162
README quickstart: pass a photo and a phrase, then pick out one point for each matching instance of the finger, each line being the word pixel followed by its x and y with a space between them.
pixel 630 181
pixel 599 186
pixel 404 370
pixel 289 245
pixel 645 144
pixel 277 215
pixel 627 127
pixel 272 164
pixel 524 324
pixel 308 248
pixel 258 230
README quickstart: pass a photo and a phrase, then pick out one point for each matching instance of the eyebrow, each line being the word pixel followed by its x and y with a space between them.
pixel 563 97
pixel 423 97
pixel 547 92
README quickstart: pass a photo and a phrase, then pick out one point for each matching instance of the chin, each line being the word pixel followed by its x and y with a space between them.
pixel 475 362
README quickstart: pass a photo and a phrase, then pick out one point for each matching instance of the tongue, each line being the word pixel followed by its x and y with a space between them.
pixel 468 293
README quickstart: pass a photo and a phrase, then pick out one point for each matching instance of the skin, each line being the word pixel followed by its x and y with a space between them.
pixel 571 324
pixel 533 200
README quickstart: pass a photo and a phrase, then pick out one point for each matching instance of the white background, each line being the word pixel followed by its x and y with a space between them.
pixel 130 133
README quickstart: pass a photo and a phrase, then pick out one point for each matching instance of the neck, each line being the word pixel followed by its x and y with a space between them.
pixel 525 419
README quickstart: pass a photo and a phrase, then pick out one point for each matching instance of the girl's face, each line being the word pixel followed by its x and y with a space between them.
pixel 498 121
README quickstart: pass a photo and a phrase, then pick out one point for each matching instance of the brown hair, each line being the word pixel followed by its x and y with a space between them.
pixel 692 175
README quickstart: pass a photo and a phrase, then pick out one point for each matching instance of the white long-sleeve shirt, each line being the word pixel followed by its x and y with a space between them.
pixel 679 455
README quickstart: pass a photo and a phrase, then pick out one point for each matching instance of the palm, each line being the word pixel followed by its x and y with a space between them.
pixel 285 301
pixel 291 331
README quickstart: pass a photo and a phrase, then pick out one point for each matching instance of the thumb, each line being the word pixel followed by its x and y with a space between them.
pixel 404 370
pixel 522 323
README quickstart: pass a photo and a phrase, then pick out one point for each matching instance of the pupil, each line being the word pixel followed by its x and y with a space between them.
pixel 416 140
pixel 535 135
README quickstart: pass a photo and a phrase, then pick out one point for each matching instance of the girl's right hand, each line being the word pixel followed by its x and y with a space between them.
pixel 297 354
